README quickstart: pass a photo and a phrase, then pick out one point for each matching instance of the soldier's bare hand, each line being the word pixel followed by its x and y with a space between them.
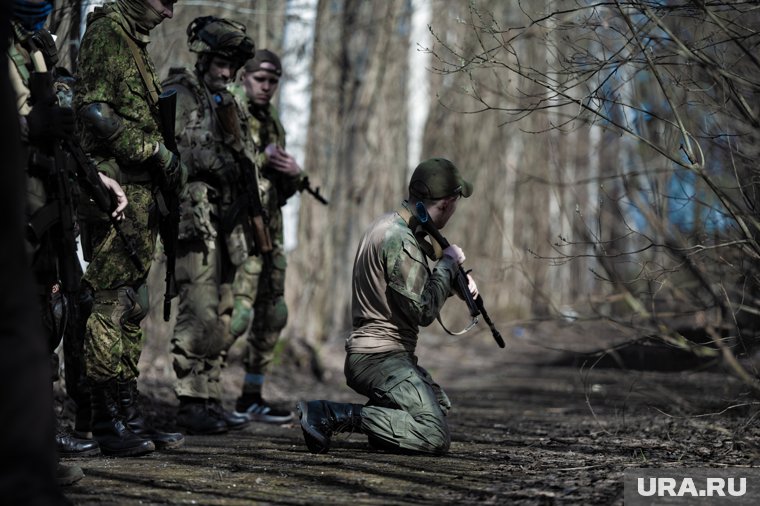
pixel 472 287
pixel 281 161
pixel 118 192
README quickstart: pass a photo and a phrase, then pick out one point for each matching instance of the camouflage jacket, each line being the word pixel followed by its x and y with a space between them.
pixel 212 133
pixel 108 73
pixel 266 128
pixel 394 290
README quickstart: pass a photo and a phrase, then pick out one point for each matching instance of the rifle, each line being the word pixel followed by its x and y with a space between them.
pixel 306 186
pixel 59 214
pixel 167 199
pixel 87 175
pixel 475 306
pixel 255 223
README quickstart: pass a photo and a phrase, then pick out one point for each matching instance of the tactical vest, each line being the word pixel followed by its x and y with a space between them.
pixel 204 144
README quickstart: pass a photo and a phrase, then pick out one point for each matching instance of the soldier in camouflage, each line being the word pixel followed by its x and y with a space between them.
pixel 394 292
pixel 281 179
pixel 216 276
pixel 116 102
pixel 45 122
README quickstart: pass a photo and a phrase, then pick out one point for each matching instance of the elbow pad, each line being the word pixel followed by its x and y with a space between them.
pixel 101 120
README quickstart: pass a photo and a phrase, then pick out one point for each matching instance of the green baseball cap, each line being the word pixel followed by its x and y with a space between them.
pixel 437 178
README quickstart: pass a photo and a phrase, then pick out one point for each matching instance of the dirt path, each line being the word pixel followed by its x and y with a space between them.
pixel 523 433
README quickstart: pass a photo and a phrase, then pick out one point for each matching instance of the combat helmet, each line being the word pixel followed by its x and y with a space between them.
pixel 211 36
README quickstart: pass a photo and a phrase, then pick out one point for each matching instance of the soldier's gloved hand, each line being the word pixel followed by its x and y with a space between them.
pixel 172 167
pixel 47 120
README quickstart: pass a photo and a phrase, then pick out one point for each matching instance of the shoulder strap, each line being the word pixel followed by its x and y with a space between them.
pixel 19 63
pixel 137 55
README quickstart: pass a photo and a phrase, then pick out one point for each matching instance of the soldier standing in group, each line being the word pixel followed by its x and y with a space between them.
pixel 117 106
pixel 216 275
pixel 281 178
pixel 394 292
pixel 47 125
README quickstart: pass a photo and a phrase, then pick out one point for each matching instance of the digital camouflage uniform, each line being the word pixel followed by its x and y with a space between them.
pixel 117 104
pixel 217 278
pixel 108 74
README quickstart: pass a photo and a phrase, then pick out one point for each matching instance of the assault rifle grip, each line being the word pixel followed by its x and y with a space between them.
pixel 475 306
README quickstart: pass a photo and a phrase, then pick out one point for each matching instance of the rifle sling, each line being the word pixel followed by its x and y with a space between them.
pixel 150 84
pixel 431 249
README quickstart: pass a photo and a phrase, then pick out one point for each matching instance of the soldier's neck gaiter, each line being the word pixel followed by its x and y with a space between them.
pixel 140 14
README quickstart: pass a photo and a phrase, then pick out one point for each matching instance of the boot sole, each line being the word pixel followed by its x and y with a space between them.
pixel 315 442
pixel 130 452
pixel 73 455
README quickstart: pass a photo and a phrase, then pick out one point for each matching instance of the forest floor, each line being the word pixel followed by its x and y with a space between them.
pixel 532 424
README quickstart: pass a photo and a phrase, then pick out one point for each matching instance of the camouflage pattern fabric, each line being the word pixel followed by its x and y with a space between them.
pixel 107 73
pixel 394 290
pixel 217 280
pixel 406 408
pixel 270 309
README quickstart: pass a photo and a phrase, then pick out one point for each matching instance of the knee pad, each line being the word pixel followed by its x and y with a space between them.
pixel 271 317
pixel 242 313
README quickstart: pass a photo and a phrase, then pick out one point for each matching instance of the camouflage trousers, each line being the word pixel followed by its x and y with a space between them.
pixel 269 309
pixel 113 337
pixel 215 301
pixel 406 408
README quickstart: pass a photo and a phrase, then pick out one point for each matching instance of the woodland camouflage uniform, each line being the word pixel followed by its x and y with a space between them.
pixel 216 275
pixel 270 310
pixel 117 82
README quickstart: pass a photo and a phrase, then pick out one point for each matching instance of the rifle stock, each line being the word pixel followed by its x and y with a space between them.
pixel 475 306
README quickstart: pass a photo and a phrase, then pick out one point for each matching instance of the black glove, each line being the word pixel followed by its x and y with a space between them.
pixel 47 120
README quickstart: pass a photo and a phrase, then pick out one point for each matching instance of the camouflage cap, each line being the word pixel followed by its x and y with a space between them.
pixel 264 56
pixel 437 178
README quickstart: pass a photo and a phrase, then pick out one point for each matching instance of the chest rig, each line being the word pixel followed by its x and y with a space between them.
pixel 210 138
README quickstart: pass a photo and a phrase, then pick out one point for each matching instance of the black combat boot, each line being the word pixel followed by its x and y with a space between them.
pixel 108 429
pixel 321 419
pixel 195 417
pixel 233 420
pixel 133 419
pixel 68 445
